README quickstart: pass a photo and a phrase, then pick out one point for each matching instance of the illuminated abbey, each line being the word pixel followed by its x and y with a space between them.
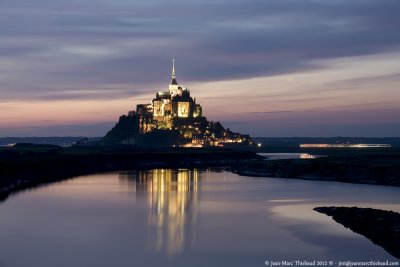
pixel 173 118
pixel 167 106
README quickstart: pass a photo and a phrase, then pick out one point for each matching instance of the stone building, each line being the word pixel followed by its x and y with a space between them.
pixel 166 106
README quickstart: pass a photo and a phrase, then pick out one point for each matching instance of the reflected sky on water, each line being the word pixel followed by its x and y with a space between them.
pixel 183 218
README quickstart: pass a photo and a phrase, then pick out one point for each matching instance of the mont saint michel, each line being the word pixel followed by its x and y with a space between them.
pixel 199 133
pixel 173 118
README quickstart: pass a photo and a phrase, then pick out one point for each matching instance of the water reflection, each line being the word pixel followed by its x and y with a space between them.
pixel 184 218
pixel 171 197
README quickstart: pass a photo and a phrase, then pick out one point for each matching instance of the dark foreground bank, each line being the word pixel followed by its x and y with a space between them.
pixel 380 226
pixel 380 168
pixel 27 166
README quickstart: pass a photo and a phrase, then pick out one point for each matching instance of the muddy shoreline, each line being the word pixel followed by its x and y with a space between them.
pixel 381 169
pixel 380 226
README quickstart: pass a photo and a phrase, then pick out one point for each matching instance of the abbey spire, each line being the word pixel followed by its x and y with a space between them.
pixel 173 79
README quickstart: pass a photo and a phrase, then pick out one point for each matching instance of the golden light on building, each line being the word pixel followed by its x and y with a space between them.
pixel 177 110
pixel 167 105
pixel 183 109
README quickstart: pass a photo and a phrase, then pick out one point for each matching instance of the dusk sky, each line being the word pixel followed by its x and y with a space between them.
pixel 262 67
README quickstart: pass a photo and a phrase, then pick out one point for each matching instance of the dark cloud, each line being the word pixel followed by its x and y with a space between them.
pixel 68 45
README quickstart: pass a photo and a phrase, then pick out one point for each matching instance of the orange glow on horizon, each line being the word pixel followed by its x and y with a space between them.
pixel 62 112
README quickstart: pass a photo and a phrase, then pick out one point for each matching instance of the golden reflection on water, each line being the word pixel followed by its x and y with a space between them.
pixel 171 196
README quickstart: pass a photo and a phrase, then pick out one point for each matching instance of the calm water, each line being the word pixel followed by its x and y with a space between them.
pixel 183 218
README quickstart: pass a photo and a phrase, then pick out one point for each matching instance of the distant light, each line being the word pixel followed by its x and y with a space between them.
pixel 347 145
pixel 306 156
pixel 259 145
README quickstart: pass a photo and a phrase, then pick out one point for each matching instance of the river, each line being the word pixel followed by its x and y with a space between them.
pixel 184 217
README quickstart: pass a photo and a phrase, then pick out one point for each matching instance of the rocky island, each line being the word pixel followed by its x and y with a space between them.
pixel 172 119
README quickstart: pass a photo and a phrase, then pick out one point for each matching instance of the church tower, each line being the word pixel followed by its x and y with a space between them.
pixel 173 79
pixel 173 87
